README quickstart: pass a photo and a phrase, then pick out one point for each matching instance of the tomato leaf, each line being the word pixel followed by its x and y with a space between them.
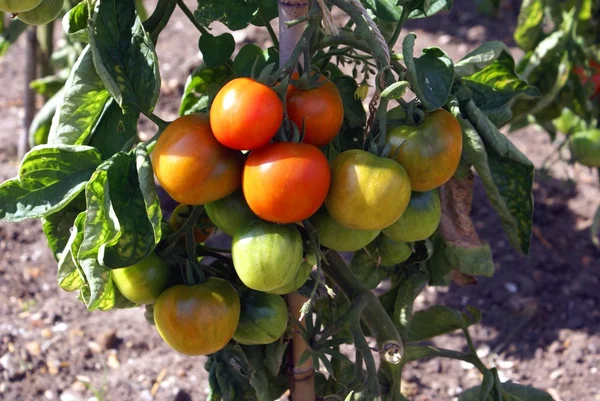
pixel 82 104
pixel 50 177
pixel 427 8
pixel 506 174
pixel 480 58
pixel 530 24
pixel 124 55
pixel 50 85
pixel 115 129
pixel 42 122
pixel 496 87
pixel 216 50
pixel 75 22
pixel 270 10
pixel 411 285
pixel 510 392
pixel 202 86
pixel 57 226
pixel 435 321
pixel 11 34
pixel 431 76
pixel 235 14
pixel 364 266
pixel 391 10
pixel 148 190
pixel 253 57
pixel 70 276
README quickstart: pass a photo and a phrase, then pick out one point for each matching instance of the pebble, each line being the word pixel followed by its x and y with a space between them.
pixel 70 396
pixel 49 395
pixel 60 327
pixel 13 367
pixel 113 361
pixel 511 287
pixel 556 374
pixel 33 348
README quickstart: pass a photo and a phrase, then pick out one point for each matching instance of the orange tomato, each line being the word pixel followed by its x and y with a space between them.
pixel 286 182
pixel 192 166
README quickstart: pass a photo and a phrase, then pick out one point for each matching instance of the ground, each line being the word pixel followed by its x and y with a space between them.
pixel 541 316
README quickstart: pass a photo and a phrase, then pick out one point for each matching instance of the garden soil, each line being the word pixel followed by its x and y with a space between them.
pixel 541 313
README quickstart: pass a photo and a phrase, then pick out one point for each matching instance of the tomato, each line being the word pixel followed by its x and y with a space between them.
pixel 198 319
pixel 585 147
pixel 192 166
pixel 430 152
pixel 45 12
pixel 319 110
pixel 245 114
pixel 337 237
pixel 263 318
pixel 593 80
pixel 230 213
pixel 143 282
pixel 286 182
pixel 266 256
pixel 420 220
pixel 297 282
pixel 18 6
pixel 390 252
pixel 202 230
pixel 367 192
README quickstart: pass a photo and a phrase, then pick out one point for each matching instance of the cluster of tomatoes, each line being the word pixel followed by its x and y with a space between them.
pixel 33 12
pixel 360 200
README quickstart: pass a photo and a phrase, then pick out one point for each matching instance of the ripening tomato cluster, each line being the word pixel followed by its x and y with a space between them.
pixel 593 80
pixel 261 196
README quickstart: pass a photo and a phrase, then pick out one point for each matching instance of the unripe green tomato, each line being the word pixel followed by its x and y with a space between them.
pixel 230 213
pixel 297 282
pixel 263 318
pixel 18 6
pixel 420 219
pixel 266 255
pixel 336 236
pixel 390 252
pixel 45 12
pixel 585 147
pixel 143 282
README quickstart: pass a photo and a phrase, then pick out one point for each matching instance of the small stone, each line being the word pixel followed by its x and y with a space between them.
pixel 53 367
pixel 466 365
pixel 113 361
pixel 483 351
pixel 511 287
pixel 505 364
pixel 46 333
pixel 33 348
pixel 70 396
pixel 556 374
pixel 49 395
pixel 60 327
pixel 94 347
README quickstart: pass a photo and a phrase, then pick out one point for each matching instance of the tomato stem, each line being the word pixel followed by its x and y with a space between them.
pixel 159 18
pixel 188 13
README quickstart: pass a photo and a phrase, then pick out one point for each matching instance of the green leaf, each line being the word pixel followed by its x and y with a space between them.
pixel 70 276
pixel 235 14
pixel 50 85
pixel 274 353
pixel 270 10
pixel 480 58
pixel 251 56
pixel 411 285
pixel 506 174
pixel 114 130
pixel 216 50
pixel 510 391
pixel 82 105
pixel 57 226
pixel 40 126
pixel 50 177
pixel 427 8
pixel 202 86
pixel 148 190
pixel 435 321
pixel 529 26
pixel 395 90
pixel 124 55
pixel 75 22
pixel 431 76
pixel 496 87
pixel 11 34
pixel 354 111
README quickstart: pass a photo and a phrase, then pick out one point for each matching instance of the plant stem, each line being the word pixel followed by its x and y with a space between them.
pixel 405 12
pixel 351 314
pixel 190 222
pixel 374 315
pixel 159 18
pixel 265 21
pixel 190 15
pixel 476 361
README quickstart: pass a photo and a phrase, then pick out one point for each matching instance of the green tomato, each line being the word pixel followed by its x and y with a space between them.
pixel 45 12
pixel 297 282
pixel 337 237
pixel 420 219
pixel 585 147
pixel 263 318
pixel 266 255
pixel 143 282
pixel 18 6
pixel 367 192
pixel 230 213
pixel 390 252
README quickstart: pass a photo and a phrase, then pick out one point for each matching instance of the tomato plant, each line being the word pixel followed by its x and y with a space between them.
pixel 43 13
pixel 17 6
pixel 394 189
pixel 180 214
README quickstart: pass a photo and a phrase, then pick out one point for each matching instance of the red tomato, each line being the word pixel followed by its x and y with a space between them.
pixel 286 182
pixel 319 110
pixel 245 114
